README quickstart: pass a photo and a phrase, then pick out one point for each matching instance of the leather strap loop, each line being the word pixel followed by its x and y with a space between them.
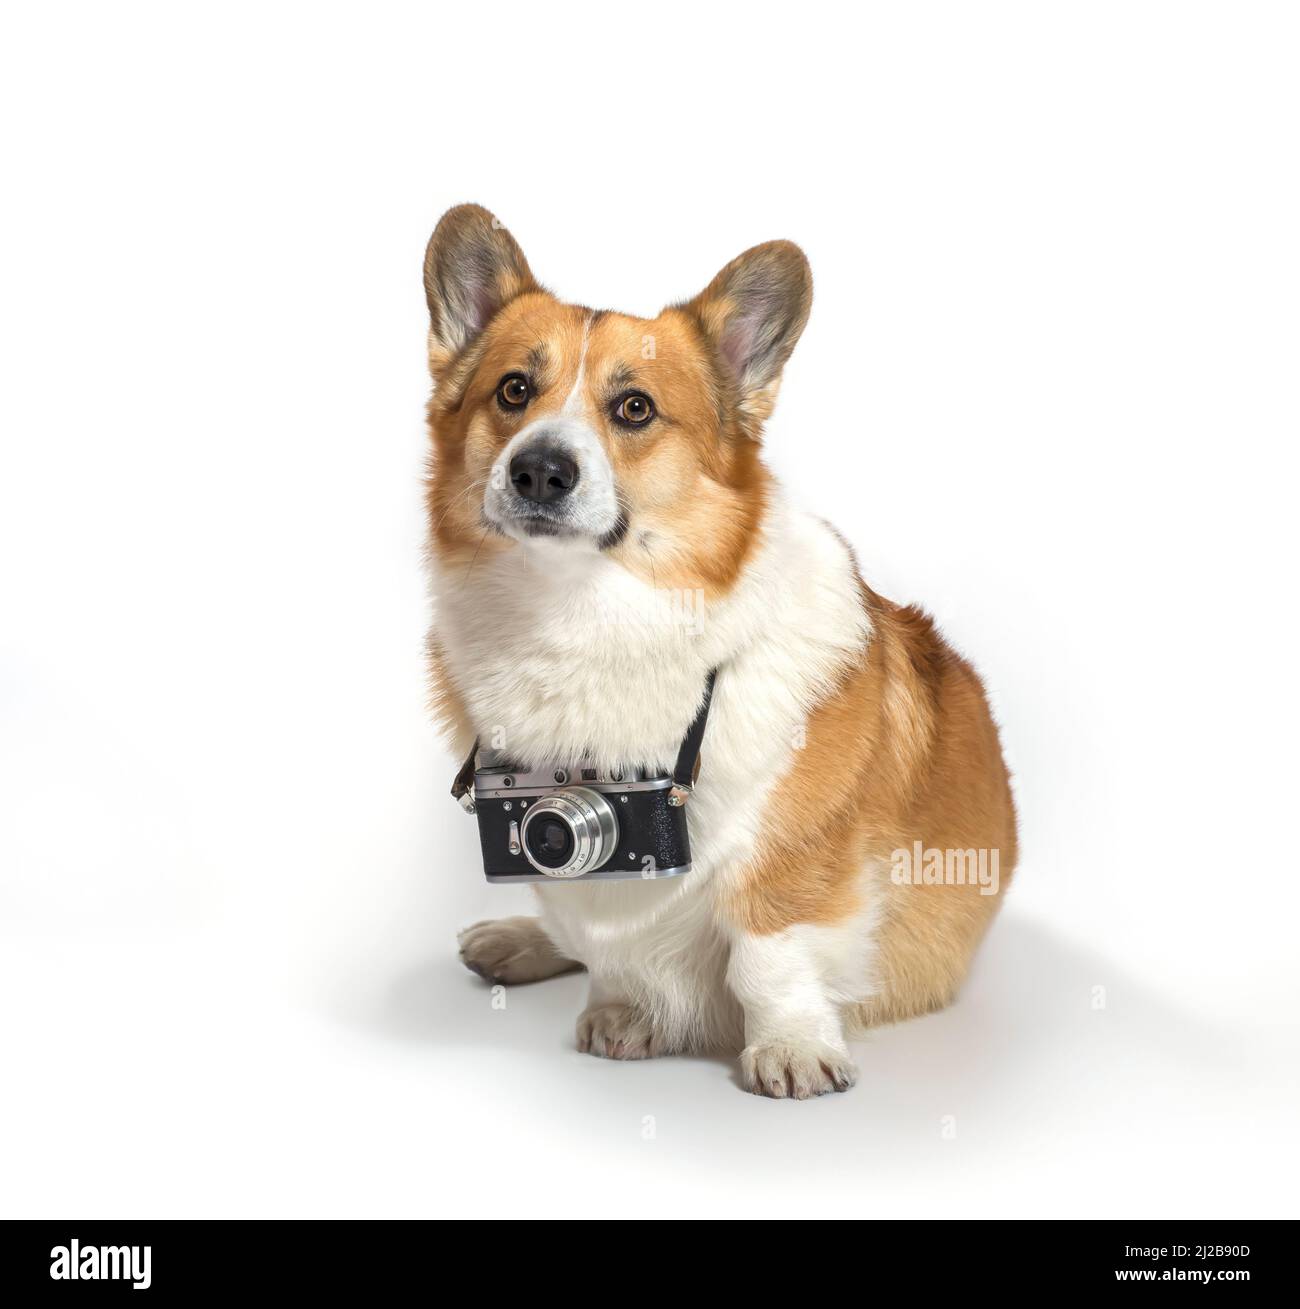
pixel 461 783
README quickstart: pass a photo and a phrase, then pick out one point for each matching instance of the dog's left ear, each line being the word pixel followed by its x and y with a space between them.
pixel 754 312
pixel 472 268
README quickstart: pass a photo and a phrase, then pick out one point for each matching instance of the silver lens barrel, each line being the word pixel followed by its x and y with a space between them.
pixel 588 836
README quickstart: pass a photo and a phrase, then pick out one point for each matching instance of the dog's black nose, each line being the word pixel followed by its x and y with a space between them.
pixel 543 473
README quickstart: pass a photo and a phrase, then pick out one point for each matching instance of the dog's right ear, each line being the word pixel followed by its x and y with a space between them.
pixel 754 312
pixel 472 267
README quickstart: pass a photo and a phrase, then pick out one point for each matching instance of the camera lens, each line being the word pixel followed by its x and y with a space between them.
pixel 550 841
pixel 569 833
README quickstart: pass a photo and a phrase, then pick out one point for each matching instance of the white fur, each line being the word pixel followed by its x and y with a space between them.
pixel 575 402
pixel 556 651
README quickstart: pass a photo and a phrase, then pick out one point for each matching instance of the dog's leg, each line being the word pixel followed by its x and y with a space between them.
pixel 794 1035
pixel 512 950
pixel 614 1028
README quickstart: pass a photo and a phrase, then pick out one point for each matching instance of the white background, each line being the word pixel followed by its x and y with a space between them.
pixel 1048 389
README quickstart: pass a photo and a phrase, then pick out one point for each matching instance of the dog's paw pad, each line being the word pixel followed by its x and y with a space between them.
pixel 510 950
pixel 616 1031
pixel 796 1070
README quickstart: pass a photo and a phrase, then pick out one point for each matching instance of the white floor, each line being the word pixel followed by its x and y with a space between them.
pixel 323 1053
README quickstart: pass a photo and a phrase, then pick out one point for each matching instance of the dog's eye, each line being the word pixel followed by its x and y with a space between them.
pixel 514 391
pixel 635 409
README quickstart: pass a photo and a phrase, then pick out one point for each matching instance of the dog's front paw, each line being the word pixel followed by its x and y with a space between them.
pixel 511 950
pixel 796 1070
pixel 616 1031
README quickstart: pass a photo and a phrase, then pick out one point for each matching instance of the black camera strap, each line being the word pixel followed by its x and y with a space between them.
pixel 688 757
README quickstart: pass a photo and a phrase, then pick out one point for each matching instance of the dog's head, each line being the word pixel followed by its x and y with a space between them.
pixel 596 432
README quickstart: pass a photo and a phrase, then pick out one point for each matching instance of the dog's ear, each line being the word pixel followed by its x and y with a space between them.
pixel 472 267
pixel 754 312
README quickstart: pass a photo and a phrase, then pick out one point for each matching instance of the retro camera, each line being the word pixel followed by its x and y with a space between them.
pixel 584 822
pixel 581 822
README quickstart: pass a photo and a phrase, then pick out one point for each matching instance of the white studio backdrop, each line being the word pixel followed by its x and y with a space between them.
pixel 1048 390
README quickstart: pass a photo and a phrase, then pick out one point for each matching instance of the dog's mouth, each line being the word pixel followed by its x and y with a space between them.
pixel 520 517
pixel 523 519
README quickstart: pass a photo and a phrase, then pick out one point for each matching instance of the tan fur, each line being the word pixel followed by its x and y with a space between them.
pixel 699 499
pixel 904 750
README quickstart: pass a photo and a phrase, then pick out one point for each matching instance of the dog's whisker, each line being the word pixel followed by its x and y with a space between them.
pixel 654 580
pixel 482 481
pixel 474 559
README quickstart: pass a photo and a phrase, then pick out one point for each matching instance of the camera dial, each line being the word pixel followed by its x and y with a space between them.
pixel 569 833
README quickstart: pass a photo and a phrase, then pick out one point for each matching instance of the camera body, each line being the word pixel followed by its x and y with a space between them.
pixel 577 823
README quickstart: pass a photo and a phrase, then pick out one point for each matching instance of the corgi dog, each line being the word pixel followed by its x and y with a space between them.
pixel 585 466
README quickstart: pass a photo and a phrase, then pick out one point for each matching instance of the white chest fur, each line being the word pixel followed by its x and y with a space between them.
pixel 560 653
